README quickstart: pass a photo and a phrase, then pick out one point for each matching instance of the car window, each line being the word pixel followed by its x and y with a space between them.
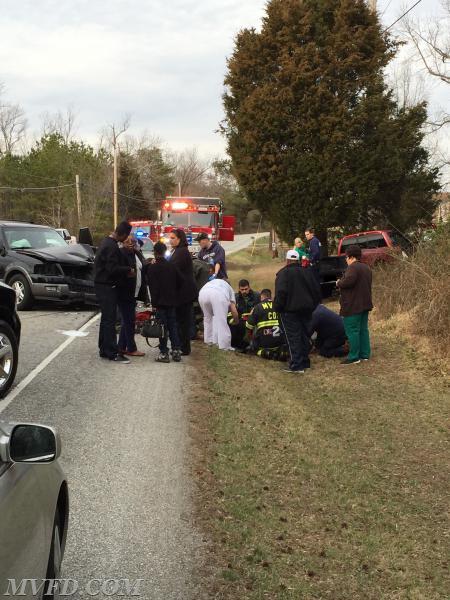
pixel 399 240
pixel 32 237
pixel 366 242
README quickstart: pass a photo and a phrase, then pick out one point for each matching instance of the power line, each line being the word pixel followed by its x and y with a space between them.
pixel 36 189
pixel 401 17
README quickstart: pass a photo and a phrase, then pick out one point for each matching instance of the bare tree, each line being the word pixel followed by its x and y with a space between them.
pixel 408 88
pixel 189 170
pixel 13 124
pixel 63 123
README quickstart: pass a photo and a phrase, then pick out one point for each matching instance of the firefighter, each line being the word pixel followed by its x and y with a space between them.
pixel 268 341
pixel 246 300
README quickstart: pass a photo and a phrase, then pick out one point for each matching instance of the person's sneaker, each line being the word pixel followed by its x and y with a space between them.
pixel 121 359
pixel 176 356
pixel 296 371
pixel 348 361
pixel 365 359
pixel 163 358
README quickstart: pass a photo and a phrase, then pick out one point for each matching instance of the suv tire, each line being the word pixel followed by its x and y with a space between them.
pixel 9 358
pixel 20 285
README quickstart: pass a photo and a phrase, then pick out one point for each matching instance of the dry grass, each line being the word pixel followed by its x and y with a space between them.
pixel 329 485
pixel 416 292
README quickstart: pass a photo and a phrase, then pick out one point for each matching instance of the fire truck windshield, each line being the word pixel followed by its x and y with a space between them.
pixel 188 219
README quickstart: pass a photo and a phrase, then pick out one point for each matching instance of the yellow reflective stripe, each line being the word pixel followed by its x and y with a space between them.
pixel 249 326
pixel 272 323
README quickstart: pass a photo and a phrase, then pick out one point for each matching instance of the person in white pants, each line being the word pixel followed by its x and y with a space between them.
pixel 216 300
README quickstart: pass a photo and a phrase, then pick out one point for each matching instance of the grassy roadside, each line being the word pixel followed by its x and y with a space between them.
pixel 328 485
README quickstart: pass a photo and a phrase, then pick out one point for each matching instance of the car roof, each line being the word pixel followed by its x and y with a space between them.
pixel 380 231
pixel 22 224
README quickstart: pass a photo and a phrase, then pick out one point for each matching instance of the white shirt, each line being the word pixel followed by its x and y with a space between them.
pixel 138 276
pixel 221 286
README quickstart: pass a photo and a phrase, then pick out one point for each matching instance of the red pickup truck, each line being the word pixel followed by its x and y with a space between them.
pixel 377 246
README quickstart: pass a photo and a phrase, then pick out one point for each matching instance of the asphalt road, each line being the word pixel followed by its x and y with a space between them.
pixel 125 452
pixel 242 241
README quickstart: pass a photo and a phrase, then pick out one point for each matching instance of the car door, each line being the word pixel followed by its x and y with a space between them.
pixel 24 538
pixel 5 258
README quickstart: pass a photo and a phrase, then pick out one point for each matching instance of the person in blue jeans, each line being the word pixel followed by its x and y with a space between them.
pixel 164 282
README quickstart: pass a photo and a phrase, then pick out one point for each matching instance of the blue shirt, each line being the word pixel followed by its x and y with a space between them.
pixel 314 249
pixel 215 254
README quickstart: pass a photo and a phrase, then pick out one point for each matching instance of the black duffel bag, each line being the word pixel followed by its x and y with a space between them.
pixel 153 329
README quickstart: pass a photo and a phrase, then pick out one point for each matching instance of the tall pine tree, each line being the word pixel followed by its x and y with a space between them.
pixel 314 134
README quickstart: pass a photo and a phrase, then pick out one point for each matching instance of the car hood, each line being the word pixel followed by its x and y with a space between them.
pixel 75 254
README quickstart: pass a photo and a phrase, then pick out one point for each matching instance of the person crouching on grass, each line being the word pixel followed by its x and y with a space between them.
pixel 164 283
pixel 356 302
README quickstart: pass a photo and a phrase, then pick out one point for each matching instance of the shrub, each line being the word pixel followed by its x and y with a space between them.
pixel 420 286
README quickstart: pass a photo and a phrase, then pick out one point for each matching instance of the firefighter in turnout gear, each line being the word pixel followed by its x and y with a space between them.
pixel 268 340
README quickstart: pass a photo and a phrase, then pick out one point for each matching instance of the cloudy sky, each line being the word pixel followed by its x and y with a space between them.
pixel 161 61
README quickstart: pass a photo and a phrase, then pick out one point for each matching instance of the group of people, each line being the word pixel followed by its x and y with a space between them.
pixel 287 326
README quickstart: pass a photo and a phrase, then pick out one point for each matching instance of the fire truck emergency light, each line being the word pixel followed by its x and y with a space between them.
pixel 179 205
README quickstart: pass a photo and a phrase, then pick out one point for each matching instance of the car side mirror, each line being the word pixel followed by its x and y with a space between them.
pixel 85 236
pixel 30 443
pixel 2 250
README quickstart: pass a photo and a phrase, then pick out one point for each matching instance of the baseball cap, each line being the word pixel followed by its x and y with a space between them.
pixel 202 236
pixel 291 255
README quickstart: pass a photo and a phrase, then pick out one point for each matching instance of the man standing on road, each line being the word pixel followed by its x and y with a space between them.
pixel 216 299
pixel 111 271
pixel 213 253
pixel 313 251
pixel 297 294
pixel 356 302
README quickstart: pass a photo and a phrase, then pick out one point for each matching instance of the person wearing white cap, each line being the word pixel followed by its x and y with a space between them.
pixel 297 293
pixel 216 299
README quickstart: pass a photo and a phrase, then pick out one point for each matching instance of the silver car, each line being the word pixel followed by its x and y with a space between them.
pixel 34 510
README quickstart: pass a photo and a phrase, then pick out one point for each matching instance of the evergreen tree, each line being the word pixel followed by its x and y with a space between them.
pixel 315 136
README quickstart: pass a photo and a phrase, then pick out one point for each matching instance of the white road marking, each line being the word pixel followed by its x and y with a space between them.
pixel 41 366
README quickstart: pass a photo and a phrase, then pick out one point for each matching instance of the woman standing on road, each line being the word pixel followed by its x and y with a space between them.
pixel 182 260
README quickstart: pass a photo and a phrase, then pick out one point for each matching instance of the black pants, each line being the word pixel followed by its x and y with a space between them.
pixel 184 320
pixel 331 346
pixel 127 308
pixel 107 337
pixel 238 335
pixel 168 317
pixel 296 327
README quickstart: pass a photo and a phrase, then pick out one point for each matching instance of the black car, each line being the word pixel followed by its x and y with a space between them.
pixel 39 264
pixel 9 338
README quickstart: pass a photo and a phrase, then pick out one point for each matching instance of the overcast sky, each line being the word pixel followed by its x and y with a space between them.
pixel 162 61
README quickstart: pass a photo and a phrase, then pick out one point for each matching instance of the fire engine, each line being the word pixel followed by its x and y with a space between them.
pixel 197 215
pixel 193 215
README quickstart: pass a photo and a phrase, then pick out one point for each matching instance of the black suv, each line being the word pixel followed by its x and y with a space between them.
pixel 39 264
pixel 9 338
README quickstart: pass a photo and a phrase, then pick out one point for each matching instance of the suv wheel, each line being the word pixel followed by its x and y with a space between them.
pixel 9 356
pixel 22 288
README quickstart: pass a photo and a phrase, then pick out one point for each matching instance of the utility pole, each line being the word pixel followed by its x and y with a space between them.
pixel 77 185
pixel 179 188
pixel 115 183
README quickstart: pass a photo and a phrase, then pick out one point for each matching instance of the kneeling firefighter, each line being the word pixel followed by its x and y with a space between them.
pixel 268 340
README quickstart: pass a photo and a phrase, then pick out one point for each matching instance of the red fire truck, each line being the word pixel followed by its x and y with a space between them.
pixel 197 215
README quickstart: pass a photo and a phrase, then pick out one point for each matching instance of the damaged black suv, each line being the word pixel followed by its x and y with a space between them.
pixel 40 265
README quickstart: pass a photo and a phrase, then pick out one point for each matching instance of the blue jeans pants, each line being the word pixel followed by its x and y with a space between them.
pixel 168 316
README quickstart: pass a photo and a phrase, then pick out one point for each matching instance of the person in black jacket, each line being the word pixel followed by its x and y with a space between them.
pixel 187 293
pixel 164 282
pixel 127 296
pixel 111 272
pixel 297 293
pixel 329 327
